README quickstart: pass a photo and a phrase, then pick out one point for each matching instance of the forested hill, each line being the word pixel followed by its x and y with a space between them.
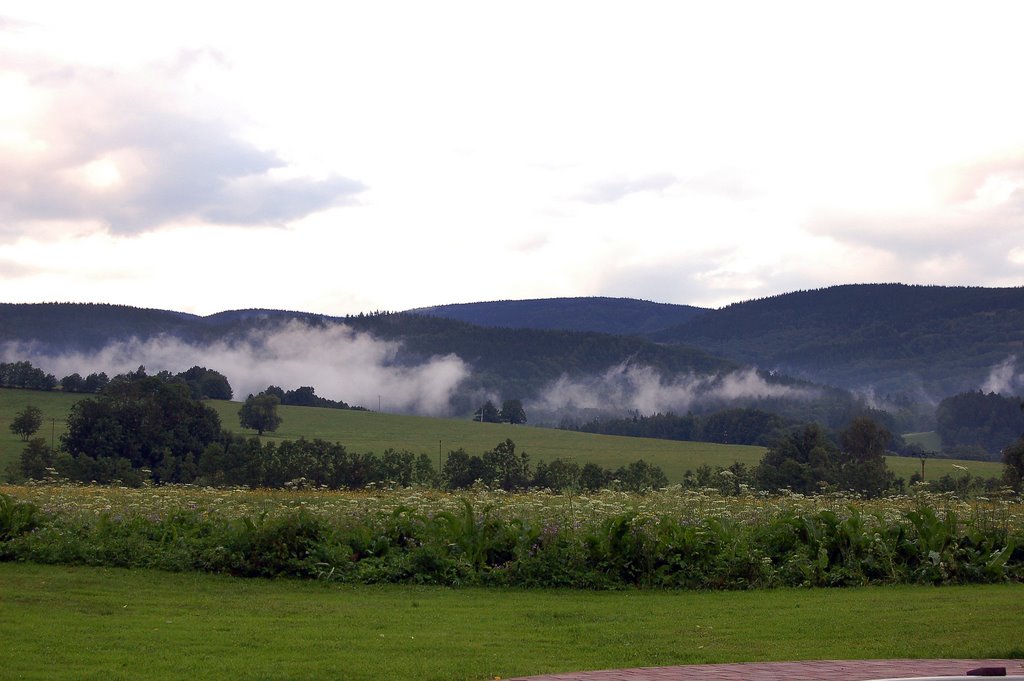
pixel 53 328
pixel 510 362
pixel 621 316
pixel 891 337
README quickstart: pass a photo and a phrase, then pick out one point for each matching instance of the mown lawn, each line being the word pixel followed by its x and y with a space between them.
pixel 95 623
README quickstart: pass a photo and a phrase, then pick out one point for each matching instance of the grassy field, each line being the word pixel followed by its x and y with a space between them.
pixel 91 623
pixel 368 431
pixel 55 407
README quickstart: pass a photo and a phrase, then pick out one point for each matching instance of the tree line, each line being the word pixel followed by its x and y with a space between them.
pixel 202 383
pixel 153 428
pixel 742 426
pixel 306 396
pixel 979 425
pixel 511 411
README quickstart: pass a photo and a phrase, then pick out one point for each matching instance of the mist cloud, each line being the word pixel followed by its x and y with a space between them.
pixel 629 386
pixel 338 362
pixel 1004 378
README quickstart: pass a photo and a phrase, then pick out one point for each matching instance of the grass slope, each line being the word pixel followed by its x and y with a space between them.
pixel 92 623
pixel 55 407
pixel 370 431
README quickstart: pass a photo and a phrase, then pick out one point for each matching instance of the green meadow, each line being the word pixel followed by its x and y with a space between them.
pixel 374 432
pixel 96 623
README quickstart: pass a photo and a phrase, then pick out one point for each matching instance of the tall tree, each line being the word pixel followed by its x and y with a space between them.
pixel 512 412
pixel 861 460
pixel 801 460
pixel 141 420
pixel 207 384
pixel 487 413
pixel 1013 465
pixel 27 422
pixel 505 468
pixel 260 413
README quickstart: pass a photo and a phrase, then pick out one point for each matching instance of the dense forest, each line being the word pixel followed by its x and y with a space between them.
pixel 929 341
pixel 619 316
pixel 509 362
pixel 979 425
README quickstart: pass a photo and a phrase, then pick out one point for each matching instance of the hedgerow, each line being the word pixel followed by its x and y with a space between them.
pixel 671 538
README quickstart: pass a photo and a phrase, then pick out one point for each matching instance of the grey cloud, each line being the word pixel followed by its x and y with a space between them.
pixel 175 166
pixel 10 25
pixel 675 282
pixel 963 227
pixel 715 183
pixel 980 241
pixel 684 279
pixel 615 190
pixel 261 200
pixel 185 59
pixel 9 269
pixel 962 183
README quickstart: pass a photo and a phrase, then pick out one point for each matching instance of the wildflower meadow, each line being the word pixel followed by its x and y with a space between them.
pixel 670 538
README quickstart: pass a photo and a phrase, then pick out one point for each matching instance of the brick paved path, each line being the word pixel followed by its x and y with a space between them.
pixel 820 670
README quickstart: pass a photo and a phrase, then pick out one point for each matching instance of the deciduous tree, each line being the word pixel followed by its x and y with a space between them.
pixel 512 412
pixel 27 422
pixel 487 413
pixel 260 413
pixel 1013 462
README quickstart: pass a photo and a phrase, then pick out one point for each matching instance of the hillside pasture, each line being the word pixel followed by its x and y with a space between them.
pixel 363 431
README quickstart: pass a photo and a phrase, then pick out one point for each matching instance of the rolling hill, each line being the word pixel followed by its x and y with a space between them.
pixel 362 431
pixel 924 341
pixel 501 362
pixel 619 316
pixel 906 346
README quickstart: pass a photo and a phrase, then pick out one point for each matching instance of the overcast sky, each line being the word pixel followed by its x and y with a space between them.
pixel 345 157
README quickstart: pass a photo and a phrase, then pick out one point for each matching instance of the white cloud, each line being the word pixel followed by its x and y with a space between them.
pixel 685 152
pixel 1004 378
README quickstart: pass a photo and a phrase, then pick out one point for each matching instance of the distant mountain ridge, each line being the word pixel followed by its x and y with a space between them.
pixel 60 327
pixel 887 337
pixel 903 343
pixel 619 316
pixel 504 362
